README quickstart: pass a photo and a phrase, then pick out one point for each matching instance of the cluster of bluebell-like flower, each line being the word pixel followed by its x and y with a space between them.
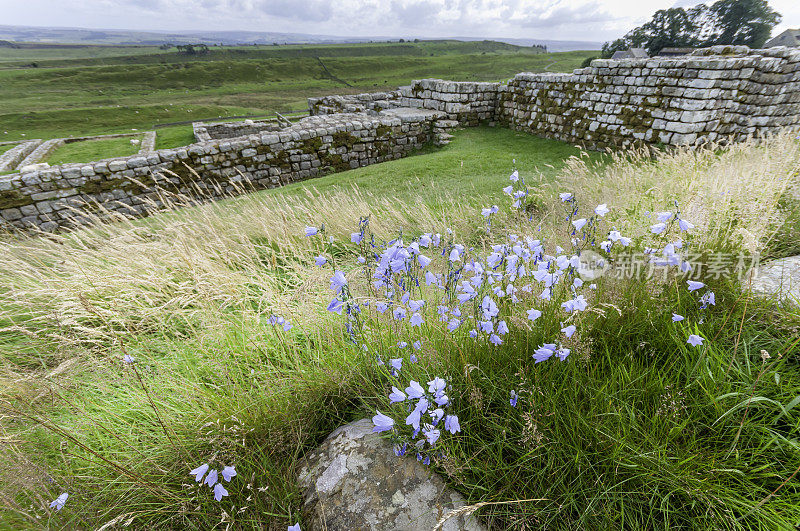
pixel 212 479
pixel 667 254
pixel 425 411
pixel 419 284
pixel 276 321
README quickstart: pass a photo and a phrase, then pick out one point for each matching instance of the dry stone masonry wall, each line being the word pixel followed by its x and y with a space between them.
pixel 467 103
pixel 715 94
pixel 63 196
pixel 205 132
pixel 373 101
pixel 14 156
pixel 708 96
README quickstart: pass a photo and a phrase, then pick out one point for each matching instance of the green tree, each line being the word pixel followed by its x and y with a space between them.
pixel 675 27
pixel 747 22
pixel 588 61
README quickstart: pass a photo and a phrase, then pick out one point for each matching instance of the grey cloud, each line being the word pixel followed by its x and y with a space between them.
pixel 150 5
pixel 299 10
pixel 689 3
pixel 308 10
pixel 414 13
pixel 514 18
pixel 564 15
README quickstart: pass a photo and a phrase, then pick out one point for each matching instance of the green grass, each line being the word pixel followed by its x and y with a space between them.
pixel 25 53
pixel 4 148
pixel 786 243
pixel 174 136
pixel 634 430
pixel 118 95
pixel 474 166
pixel 92 150
pixel 83 122
pixel 104 55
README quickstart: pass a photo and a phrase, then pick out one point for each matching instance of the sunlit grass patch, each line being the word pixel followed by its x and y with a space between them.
pixel 92 150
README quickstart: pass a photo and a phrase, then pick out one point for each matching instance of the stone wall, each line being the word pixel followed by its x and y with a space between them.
pixel 14 156
pixel 715 94
pixel 708 96
pixel 373 101
pixel 37 151
pixel 205 132
pixel 62 196
pixel 465 102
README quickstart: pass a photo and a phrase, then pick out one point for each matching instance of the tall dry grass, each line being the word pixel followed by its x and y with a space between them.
pixel 730 193
pixel 184 270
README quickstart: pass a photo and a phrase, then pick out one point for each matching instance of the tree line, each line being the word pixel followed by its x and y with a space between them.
pixel 731 22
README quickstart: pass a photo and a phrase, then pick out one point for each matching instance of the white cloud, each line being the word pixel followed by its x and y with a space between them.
pixel 593 20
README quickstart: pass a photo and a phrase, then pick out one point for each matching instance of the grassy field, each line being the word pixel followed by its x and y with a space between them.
pixel 131 352
pixel 91 150
pixel 138 91
pixel 634 429
pixel 23 54
pixel 467 168
pixel 174 136
pixel 111 55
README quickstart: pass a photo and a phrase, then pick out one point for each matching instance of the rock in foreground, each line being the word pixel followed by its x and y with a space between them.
pixel 354 481
pixel 779 278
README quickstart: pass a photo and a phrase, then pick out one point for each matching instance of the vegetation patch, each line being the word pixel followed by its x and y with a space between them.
pixel 344 139
pixel 174 137
pixel 239 334
pixel 383 130
pixel 93 150
pixel 311 145
pixel 139 90
pixel 13 199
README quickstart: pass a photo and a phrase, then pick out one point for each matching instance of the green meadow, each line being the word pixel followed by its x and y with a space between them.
pixel 116 93
pixel 91 150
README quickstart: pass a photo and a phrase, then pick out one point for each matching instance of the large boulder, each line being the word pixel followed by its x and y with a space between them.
pixel 354 481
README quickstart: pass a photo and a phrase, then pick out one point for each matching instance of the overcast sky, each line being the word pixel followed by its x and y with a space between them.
pixel 591 20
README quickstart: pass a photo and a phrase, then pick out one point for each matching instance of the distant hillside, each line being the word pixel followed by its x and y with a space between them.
pixel 154 38
pixel 552 46
pixel 49 55
pixel 110 36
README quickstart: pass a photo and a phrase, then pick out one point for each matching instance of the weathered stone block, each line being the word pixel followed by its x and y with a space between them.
pixel 355 481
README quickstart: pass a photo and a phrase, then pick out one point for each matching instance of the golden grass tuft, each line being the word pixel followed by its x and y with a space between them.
pixel 189 269
pixel 730 193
